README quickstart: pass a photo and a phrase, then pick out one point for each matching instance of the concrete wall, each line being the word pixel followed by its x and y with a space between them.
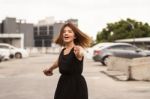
pixel 13 39
pixel 57 27
pixel 27 29
pixel 140 69
pixel 10 25
pixel 43 50
pixel 135 69
pixel 118 64
pixel 16 42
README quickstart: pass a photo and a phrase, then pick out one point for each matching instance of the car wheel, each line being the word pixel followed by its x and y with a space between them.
pixel 18 55
pixel 105 60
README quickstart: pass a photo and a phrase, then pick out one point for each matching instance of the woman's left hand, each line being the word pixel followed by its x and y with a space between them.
pixel 79 52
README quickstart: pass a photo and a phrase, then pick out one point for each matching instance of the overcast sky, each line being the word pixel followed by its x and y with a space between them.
pixel 93 15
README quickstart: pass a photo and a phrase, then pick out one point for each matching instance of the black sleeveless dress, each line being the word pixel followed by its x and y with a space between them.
pixel 71 84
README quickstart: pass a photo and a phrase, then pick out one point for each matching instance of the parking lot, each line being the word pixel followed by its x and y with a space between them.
pixel 24 79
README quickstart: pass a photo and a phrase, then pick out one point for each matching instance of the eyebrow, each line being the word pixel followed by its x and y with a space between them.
pixel 68 30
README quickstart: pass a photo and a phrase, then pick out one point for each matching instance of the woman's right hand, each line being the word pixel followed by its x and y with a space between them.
pixel 48 72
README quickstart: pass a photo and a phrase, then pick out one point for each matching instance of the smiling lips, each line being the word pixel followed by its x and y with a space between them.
pixel 66 37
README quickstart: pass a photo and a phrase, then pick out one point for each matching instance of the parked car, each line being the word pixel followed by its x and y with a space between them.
pixel 14 52
pixel 124 50
pixel 89 52
pixel 5 54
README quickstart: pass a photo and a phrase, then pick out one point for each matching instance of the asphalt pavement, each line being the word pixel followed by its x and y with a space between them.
pixel 24 79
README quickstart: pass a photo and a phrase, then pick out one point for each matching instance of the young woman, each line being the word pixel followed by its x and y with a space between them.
pixel 71 84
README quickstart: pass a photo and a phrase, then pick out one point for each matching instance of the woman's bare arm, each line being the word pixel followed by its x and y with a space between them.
pixel 49 72
pixel 54 66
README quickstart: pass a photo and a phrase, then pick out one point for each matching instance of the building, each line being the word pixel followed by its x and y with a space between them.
pixel 13 39
pixel 47 21
pixel 43 32
pixel 43 35
pixel 21 34
pixel 140 42
pixel 57 27
pixel 73 21
pixel 12 30
pixel 47 30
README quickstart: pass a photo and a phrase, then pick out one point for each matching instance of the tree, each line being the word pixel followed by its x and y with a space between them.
pixel 123 29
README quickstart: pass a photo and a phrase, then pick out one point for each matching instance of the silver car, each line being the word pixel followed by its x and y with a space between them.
pixel 124 50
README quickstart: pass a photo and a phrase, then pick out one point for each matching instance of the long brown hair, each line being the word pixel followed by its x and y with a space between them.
pixel 81 38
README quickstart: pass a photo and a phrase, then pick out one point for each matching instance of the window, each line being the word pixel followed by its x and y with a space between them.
pixel 43 33
pixel 47 43
pixel 43 28
pixel 38 43
pixel 4 47
pixel 123 47
pixel 51 28
pixel 51 32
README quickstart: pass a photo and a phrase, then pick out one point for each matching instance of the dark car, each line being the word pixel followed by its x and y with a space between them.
pixel 124 50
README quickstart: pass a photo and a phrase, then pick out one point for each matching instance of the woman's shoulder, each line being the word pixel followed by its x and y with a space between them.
pixel 61 50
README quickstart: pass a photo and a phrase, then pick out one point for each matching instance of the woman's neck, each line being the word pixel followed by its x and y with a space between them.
pixel 69 45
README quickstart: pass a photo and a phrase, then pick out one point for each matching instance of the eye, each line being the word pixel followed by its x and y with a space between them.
pixel 70 31
pixel 64 31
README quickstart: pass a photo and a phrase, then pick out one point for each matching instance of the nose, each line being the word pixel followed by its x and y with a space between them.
pixel 65 33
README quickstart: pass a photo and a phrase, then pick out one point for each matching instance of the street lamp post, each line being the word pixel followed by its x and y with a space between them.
pixel 132 27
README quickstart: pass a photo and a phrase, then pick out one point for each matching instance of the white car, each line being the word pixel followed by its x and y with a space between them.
pixel 14 51
pixel 5 54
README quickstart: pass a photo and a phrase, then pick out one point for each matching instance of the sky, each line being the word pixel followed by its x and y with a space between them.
pixel 93 15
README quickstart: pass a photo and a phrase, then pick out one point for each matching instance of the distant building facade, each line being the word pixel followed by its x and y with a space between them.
pixel 57 27
pixel 43 35
pixel 21 34
pixel 73 21
pixel 47 30
pixel 10 27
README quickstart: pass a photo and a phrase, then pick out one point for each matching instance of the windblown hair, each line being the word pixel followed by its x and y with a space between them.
pixel 81 38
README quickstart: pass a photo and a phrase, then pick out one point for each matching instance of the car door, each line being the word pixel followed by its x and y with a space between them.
pixel 131 51
pixel 119 51
pixel 134 52
pixel 126 51
pixel 5 51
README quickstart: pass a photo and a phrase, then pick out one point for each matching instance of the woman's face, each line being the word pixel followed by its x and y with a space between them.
pixel 68 35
